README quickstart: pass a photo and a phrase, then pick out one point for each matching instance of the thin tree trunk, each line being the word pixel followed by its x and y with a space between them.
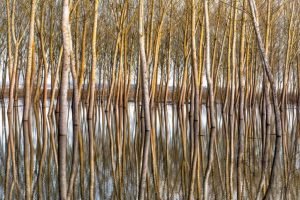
pixel 29 63
pixel 211 103
pixel 27 102
pixel 195 83
pixel 63 102
pixel 45 136
pixel 232 97
pixel 274 96
pixel 145 103
pixel 57 74
pixel 91 102
pixel 241 124
pixel 268 108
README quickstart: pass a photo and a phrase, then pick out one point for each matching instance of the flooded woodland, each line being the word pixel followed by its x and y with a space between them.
pixel 150 99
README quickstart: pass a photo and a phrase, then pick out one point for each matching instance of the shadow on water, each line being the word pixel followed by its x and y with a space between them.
pixel 28 154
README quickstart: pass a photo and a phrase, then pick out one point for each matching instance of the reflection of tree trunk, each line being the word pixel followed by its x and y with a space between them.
pixel 82 166
pixel 117 131
pixel 274 96
pixel 38 124
pixel 166 122
pixel 27 160
pixel 112 153
pixel 91 158
pixel 43 156
pixel 45 135
pixel 184 164
pixel 154 155
pixel 191 122
pixel 52 138
pixel 125 152
pixel 7 173
pixel 227 144
pixel 31 164
pixel 219 167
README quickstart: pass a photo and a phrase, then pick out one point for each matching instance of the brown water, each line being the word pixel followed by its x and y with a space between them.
pixel 118 144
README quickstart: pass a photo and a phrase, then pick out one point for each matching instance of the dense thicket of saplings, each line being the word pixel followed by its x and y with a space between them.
pixel 236 54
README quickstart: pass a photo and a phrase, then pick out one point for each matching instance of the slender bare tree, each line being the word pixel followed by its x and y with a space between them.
pixel 210 84
pixel 92 99
pixel 274 96
pixel 63 101
pixel 145 103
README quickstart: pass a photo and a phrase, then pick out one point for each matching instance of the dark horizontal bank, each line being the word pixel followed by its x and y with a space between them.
pixel 172 97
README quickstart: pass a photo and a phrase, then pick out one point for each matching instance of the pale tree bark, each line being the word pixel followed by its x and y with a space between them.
pixel 9 48
pixel 117 48
pixel 156 56
pixel 145 103
pixel 286 73
pixel 241 126
pixel 82 64
pixel 45 136
pixel 232 97
pixel 57 73
pixel 30 61
pixel 12 64
pixel 91 103
pixel 285 94
pixel 186 53
pixel 169 58
pixel 75 119
pixel 27 101
pixel 267 108
pixel 229 52
pixel 211 103
pixel 278 126
pixel 196 85
pixel 94 63
pixel 63 102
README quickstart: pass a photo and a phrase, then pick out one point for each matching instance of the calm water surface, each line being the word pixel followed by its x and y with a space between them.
pixel 118 144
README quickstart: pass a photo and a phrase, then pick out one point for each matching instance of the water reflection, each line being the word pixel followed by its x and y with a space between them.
pixel 114 141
